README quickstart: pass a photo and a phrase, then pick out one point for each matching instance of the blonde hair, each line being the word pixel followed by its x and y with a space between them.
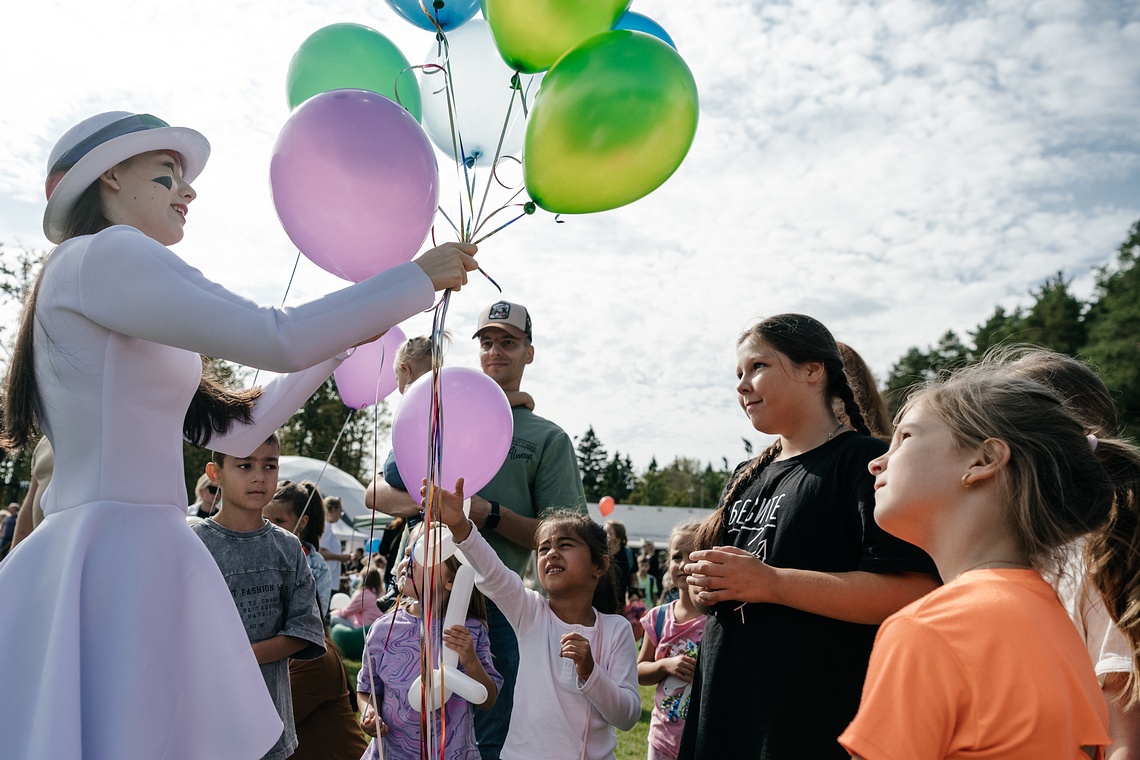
pixel 1060 483
pixel 1111 553
pixel 1056 488
pixel 414 350
pixel 687 529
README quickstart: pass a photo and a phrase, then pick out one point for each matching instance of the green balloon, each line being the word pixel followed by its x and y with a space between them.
pixel 613 120
pixel 343 56
pixel 532 34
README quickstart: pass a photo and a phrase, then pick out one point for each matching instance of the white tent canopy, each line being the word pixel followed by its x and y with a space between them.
pixel 333 481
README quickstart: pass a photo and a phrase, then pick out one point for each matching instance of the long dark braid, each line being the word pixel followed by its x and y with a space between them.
pixel 712 530
pixel 802 339
pixel 838 387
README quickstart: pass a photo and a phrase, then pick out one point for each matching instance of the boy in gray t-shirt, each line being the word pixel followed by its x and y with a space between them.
pixel 267 574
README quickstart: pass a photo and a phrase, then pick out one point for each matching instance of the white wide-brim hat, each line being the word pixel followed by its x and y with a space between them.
pixel 98 143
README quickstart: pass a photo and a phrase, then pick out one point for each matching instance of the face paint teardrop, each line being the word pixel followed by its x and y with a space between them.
pixel 166 182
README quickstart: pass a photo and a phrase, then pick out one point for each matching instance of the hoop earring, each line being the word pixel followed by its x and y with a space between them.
pixel 966 483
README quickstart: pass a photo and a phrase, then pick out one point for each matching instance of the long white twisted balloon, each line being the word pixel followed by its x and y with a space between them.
pixel 448 674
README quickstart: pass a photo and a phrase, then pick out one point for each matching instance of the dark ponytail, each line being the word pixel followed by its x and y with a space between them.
pixel 865 394
pixel 802 339
pixel 215 408
pixel 21 394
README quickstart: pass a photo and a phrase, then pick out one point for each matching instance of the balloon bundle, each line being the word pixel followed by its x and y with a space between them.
pixel 354 175
pixel 592 101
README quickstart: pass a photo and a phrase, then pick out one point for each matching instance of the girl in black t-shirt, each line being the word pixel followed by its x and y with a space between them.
pixel 793 568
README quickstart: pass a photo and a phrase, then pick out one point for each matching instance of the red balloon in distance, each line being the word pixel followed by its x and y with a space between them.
pixel 606 505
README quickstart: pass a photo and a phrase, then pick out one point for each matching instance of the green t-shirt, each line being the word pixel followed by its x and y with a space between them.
pixel 540 474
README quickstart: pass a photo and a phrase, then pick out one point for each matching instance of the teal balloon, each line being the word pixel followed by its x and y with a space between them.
pixel 351 56
pixel 636 22
pixel 532 34
pixel 613 120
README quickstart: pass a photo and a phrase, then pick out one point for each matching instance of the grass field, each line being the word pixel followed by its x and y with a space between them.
pixel 630 744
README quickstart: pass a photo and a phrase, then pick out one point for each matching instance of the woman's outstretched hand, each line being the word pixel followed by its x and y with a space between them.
pixel 447 265
pixel 447 507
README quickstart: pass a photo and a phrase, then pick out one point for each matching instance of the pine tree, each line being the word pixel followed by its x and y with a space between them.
pixel 618 479
pixel 1114 329
pixel 592 464
pixel 917 366
pixel 650 487
pixel 1055 319
pixel 999 328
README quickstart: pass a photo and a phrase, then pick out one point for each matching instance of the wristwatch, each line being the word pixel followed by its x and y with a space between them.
pixel 492 520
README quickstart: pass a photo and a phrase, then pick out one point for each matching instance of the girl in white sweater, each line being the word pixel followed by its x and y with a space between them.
pixel 578 659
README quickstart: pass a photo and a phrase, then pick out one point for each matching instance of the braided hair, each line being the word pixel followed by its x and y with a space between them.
pixel 801 339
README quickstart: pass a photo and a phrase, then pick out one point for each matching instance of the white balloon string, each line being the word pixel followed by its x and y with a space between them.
pixel 516 89
pixel 504 207
pixel 458 152
pixel 448 218
pixel 288 287
pixel 321 474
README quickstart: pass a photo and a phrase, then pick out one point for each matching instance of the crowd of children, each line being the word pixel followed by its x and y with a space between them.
pixel 847 597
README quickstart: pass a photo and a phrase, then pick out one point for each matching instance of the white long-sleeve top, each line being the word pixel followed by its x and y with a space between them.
pixel 555 714
pixel 121 321
pixel 120 324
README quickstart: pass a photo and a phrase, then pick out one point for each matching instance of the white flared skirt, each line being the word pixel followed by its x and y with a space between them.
pixel 121 642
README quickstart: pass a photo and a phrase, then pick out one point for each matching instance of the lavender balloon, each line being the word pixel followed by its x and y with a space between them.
pixel 477 430
pixel 368 376
pixel 355 182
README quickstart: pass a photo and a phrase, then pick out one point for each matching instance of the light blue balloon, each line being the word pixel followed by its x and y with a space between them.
pixel 635 22
pixel 451 14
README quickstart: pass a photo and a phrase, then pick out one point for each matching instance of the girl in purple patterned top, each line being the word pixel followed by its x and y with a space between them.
pixel 392 663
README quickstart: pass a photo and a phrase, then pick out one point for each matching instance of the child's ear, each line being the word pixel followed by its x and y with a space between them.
pixel 214 473
pixel 990 458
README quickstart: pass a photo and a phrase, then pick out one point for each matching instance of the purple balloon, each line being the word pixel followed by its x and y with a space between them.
pixel 355 182
pixel 368 376
pixel 477 430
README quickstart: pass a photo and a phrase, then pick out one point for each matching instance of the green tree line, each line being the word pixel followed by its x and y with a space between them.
pixel 683 483
pixel 1103 331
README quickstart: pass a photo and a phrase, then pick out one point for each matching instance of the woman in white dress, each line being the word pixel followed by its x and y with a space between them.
pixel 136 650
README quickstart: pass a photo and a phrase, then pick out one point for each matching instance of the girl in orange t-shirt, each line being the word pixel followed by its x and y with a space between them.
pixel 992 476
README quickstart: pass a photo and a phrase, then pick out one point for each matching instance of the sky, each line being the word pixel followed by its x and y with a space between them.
pixel 895 169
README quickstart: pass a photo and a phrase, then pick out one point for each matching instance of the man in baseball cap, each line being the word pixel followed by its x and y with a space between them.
pixel 507 316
